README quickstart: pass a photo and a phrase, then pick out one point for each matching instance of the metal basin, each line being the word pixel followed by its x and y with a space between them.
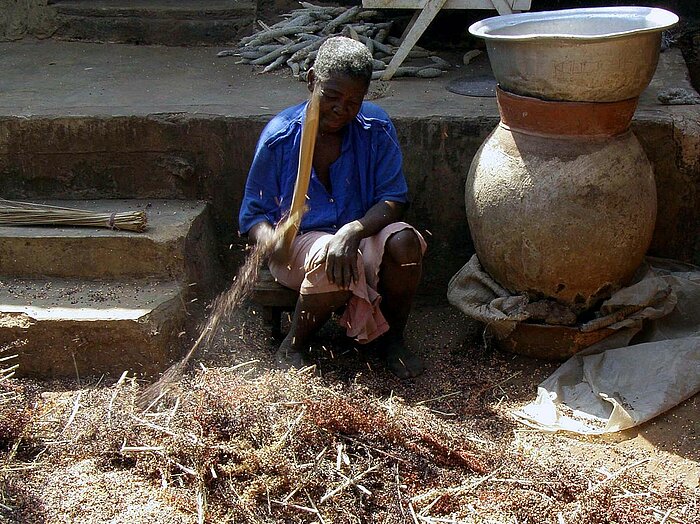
pixel 604 54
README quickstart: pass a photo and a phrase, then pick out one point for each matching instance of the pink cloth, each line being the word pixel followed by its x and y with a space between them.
pixel 362 319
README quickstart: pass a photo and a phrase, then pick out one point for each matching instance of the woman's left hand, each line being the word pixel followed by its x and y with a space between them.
pixel 340 256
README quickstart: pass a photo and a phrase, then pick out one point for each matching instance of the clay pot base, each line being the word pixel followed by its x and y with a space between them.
pixel 549 342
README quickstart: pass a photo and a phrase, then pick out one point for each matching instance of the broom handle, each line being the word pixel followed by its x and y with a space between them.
pixel 306 157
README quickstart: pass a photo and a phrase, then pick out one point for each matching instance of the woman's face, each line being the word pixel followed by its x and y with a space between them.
pixel 340 100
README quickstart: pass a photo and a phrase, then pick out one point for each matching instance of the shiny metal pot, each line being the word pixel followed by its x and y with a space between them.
pixel 602 54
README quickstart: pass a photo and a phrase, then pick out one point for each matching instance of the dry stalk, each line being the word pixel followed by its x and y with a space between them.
pixel 238 366
pixel 389 406
pixel 26 466
pixel 291 428
pixel 367 446
pixel 114 395
pixel 667 515
pixel 441 397
pixel 339 457
pixel 318 513
pixel 665 518
pixel 413 513
pixel 8 373
pixel 290 495
pixel 524 482
pixel 156 427
pixel 295 506
pixel 171 414
pixel 201 502
pixel 442 413
pixel 184 469
pixel 76 407
pixel 347 483
pixel 357 485
pixel 140 449
pixel 618 473
pixel 457 490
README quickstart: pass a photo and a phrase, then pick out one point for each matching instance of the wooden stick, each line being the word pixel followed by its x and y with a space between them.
pixel 306 157
pixel 616 474
pixel 447 395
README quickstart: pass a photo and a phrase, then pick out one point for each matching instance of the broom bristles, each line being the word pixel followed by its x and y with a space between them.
pixel 13 213
pixel 243 284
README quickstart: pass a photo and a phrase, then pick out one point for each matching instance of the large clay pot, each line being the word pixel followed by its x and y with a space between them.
pixel 561 199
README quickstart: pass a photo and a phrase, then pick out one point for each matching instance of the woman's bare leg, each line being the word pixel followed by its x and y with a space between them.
pixel 399 276
pixel 311 312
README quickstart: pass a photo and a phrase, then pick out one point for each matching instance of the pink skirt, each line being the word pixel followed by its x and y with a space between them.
pixel 362 319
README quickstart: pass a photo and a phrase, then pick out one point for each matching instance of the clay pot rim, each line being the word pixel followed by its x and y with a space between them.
pixel 563 119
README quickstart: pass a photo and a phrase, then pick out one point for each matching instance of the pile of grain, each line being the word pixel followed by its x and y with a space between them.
pixel 243 444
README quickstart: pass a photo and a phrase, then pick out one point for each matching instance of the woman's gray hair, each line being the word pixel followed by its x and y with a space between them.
pixel 345 56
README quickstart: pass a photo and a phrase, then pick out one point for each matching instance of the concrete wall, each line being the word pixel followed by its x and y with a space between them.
pixel 200 157
pixel 20 18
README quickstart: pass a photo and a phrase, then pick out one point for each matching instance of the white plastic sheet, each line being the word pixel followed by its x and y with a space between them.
pixel 649 365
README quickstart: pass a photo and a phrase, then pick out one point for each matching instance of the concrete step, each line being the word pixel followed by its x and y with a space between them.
pixel 164 22
pixel 178 244
pixel 59 325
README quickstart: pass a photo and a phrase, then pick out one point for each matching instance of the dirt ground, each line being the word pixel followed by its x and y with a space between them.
pixel 238 441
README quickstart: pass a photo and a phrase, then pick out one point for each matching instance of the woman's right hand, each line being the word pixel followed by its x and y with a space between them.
pixel 271 240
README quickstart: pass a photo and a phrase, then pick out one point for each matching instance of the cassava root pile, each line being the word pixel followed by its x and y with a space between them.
pixel 294 42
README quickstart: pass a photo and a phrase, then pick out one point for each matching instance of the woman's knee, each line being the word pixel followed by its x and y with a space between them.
pixel 404 247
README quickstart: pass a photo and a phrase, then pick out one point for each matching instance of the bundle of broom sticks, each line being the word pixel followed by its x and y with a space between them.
pixel 13 213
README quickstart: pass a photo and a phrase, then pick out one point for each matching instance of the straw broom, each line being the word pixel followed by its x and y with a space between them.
pixel 244 282
pixel 14 213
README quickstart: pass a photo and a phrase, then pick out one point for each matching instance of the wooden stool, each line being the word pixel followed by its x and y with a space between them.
pixel 274 299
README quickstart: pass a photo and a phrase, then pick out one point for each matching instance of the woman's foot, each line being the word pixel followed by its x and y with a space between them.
pixel 400 360
pixel 311 312
pixel 286 357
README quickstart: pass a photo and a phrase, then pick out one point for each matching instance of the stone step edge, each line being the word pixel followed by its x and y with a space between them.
pixel 179 243
pixel 144 337
pixel 27 301
pixel 212 13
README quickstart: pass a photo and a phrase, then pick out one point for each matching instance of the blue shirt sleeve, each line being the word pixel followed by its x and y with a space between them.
pixel 390 183
pixel 260 200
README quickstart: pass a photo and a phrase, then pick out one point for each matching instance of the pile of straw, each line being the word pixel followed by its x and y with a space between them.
pixel 14 213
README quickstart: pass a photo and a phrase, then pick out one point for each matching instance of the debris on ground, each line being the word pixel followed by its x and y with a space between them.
pixel 238 442
pixel 678 96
